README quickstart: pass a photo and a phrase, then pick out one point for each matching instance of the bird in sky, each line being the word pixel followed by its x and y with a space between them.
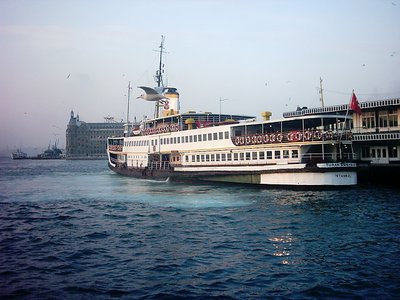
pixel 150 94
pixel 68 75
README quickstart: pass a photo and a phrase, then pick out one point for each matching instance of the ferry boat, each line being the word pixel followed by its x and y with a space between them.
pixel 312 151
pixel 18 154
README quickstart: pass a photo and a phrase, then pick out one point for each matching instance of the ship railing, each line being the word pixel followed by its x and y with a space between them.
pixel 292 136
pixel 327 157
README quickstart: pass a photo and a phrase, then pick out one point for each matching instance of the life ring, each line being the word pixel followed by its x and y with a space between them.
pixel 290 136
pixel 259 139
pixel 248 140
pixel 272 138
pixel 265 138
pixel 237 141
pixel 254 139
pixel 279 137
pixel 298 136
pixel 307 135
pixel 317 135
pixel 328 135
pixel 241 140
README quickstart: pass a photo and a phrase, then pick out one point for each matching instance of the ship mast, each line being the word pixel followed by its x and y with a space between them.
pixel 159 76
pixel 321 95
pixel 129 96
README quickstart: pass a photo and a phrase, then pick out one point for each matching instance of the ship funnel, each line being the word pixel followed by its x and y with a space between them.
pixel 266 115
pixel 172 107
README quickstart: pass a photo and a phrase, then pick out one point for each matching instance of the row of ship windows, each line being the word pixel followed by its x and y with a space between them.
pixel 182 139
pixel 255 155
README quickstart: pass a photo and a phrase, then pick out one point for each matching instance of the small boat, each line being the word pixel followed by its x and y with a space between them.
pixel 18 154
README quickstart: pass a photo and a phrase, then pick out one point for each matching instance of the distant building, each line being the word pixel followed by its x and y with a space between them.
pixel 89 140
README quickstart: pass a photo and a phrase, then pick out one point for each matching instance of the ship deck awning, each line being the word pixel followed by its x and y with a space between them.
pixel 206 118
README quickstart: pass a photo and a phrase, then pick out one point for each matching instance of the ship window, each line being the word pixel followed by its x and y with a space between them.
pixel 365 152
pixel 186 139
pixel 247 155
pixel 195 138
pixel 393 151
pixel 229 157
pixel 202 158
pixel 277 154
pixel 199 137
pixel 241 156
pixel 393 121
pixel 187 158
pixel 269 154
pixel 235 156
pixel 221 135
pixel 254 155
pixel 223 157
pixel 384 153
pixel 212 157
pixel 191 139
pixel 295 153
pixel 174 140
pixel 368 120
pixel 207 157
pixel 193 158
pixel 198 158
pixel 226 135
pixel 217 157
pixel 383 118
pixel 285 153
pixel 204 137
pixel 215 136
pixel 210 137
pixel 378 152
pixel 373 153
pixel 261 155
pixel 179 139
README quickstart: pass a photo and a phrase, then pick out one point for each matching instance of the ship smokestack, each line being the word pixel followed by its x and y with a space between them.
pixel 266 115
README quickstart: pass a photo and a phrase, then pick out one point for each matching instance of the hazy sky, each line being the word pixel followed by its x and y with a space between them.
pixel 261 55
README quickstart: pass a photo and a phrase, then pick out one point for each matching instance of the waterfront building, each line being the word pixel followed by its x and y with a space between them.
pixel 89 140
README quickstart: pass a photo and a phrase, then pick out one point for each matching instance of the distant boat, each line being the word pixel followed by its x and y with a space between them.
pixel 18 154
pixel 51 153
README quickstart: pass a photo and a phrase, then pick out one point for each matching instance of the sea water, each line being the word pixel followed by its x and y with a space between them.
pixel 76 230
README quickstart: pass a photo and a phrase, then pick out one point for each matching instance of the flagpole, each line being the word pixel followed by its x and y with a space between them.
pixel 345 122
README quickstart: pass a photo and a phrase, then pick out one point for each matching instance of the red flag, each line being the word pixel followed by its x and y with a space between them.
pixel 354 105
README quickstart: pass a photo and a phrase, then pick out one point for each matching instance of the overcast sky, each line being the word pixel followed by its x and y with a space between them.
pixel 260 55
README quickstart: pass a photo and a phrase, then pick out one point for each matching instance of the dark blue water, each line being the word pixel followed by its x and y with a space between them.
pixel 75 230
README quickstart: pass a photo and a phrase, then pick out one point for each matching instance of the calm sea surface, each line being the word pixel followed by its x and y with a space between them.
pixel 75 230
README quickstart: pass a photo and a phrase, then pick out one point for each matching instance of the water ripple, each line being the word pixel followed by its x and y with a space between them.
pixel 75 230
